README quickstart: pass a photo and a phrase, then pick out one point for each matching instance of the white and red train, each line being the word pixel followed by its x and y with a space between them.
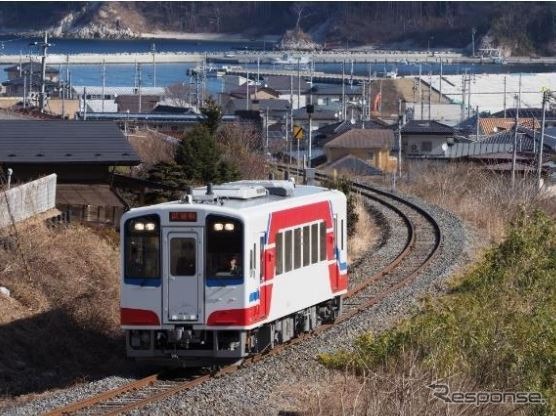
pixel 231 270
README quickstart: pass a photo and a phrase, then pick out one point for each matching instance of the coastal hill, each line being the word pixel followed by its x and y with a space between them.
pixel 519 28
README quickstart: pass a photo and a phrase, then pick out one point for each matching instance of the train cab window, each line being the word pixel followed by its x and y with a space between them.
pixel 322 229
pixel 224 250
pixel 142 248
pixel 314 243
pixel 183 257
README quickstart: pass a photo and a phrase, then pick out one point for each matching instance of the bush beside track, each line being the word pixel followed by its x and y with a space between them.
pixel 495 329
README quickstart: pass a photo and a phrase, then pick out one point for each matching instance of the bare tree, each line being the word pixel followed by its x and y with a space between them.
pixel 180 95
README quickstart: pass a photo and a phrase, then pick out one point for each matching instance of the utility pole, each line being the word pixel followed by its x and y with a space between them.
pixel 469 96
pixel 310 110
pixel 140 81
pixel 298 82
pixel 478 124
pixel 462 97
pixel 370 100
pixel 24 91
pixel 440 82
pixel 421 92
pixel 516 122
pixel 42 96
pixel 473 31
pixel 400 137
pixel 343 91
pixel 247 95
pixel 545 96
pixel 103 83
pixel 430 93
pixel 153 50
pixel 380 93
pixel 505 79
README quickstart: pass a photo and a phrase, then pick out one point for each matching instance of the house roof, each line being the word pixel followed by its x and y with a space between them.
pixel 491 125
pixel 64 141
pixel 498 156
pixel 354 165
pixel 282 83
pixel 273 104
pixel 131 103
pixel 345 125
pixel 526 112
pixel 336 90
pixel 240 91
pixel 363 139
pixel 35 81
pixel 35 67
pixel 426 127
pixel 301 114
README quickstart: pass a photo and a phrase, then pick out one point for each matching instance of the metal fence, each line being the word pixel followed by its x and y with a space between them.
pixel 24 201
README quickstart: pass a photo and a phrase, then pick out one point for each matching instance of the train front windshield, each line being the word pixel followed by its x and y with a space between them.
pixel 142 248
pixel 224 253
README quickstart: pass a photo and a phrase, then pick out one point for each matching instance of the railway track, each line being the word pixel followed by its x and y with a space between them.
pixel 423 242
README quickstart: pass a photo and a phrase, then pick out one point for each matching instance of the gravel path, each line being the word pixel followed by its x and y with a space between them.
pixel 266 387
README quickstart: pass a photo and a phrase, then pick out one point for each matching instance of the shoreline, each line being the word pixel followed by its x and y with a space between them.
pixel 208 37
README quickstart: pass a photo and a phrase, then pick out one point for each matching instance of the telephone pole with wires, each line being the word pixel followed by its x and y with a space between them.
pixel 42 95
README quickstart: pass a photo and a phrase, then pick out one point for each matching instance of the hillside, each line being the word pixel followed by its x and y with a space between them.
pixel 519 27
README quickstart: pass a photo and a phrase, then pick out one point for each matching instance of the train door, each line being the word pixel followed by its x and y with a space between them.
pixel 183 300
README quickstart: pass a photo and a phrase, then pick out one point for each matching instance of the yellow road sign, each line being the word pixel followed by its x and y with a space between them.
pixel 298 132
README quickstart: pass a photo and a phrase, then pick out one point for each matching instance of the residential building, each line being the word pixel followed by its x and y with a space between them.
pixel 425 138
pixel 370 145
pixel 81 154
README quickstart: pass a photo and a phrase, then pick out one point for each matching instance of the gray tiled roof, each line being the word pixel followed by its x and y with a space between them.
pixel 354 165
pixel 64 141
pixel 426 127
pixel 363 139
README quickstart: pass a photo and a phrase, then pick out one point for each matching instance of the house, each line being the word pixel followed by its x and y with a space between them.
pixel 82 154
pixel 329 131
pixel 288 88
pixel 17 71
pixel 328 94
pixel 17 87
pixel 536 113
pixel 137 103
pixel 351 165
pixel 277 108
pixel 493 125
pixel 527 140
pixel 370 145
pixel 255 92
pixel 319 118
pixel 425 138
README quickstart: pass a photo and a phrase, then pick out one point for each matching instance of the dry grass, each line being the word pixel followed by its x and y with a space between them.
pixel 152 147
pixel 400 391
pixel 483 199
pixel 64 284
pixel 366 232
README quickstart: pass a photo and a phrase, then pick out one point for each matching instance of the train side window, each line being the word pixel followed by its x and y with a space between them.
pixel 261 254
pixel 322 241
pixel 279 253
pixel 342 237
pixel 297 248
pixel 314 243
pixel 335 233
pixel 288 250
pixel 306 245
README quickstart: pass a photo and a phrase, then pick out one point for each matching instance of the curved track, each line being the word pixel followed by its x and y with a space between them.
pixel 423 241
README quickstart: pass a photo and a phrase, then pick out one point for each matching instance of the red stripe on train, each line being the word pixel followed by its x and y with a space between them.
pixel 247 316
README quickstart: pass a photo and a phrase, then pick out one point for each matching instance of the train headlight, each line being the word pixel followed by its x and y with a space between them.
pixel 218 226
pixel 139 226
pixel 229 226
pixel 150 226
